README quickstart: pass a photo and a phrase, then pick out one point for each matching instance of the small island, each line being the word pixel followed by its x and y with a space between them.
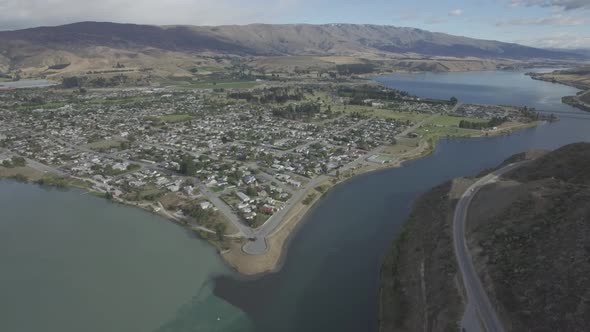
pixel 238 162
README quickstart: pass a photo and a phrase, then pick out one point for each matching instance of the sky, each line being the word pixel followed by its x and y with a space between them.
pixel 540 23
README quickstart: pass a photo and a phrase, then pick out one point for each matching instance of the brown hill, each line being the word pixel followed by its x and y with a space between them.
pixel 529 238
pixel 107 42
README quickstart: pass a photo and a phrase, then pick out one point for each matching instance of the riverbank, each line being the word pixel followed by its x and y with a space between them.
pixel 230 247
pixel 578 78
pixel 278 241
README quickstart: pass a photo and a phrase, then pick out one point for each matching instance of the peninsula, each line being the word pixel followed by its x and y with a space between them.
pixel 514 220
pixel 240 166
pixel 236 143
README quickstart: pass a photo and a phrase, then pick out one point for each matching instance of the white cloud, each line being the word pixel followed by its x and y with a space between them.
pixel 559 41
pixel 456 12
pixel 25 13
pixel 558 19
pixel 563 4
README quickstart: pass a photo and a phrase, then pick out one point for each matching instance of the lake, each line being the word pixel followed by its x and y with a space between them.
pixel 72 262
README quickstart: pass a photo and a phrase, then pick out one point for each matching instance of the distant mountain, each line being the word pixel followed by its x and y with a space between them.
pixel 46 46
pixel 580 51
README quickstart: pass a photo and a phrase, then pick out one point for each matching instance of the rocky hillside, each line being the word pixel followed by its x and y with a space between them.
pixel 529 234
pixel 47 46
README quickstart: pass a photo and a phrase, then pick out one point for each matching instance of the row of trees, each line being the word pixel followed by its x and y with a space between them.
pixel 371 92
pixel 99 82
pixel 494 122
pixel 297 111
pixel 278 95
pixel 355 68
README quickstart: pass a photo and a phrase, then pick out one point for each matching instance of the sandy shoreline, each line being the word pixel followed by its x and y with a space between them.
pixel 279 241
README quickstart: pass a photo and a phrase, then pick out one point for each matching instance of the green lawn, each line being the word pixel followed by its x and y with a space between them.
pixel 451 121
pixel 104 144
pixel 381 113
pixel 188 83
pixel 30 107
pixel 225 85
pixel 174 118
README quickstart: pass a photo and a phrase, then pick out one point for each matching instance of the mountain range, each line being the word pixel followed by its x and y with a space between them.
pixel 102 41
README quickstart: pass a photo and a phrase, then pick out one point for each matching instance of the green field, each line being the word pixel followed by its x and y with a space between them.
pixel 29 107
pixel 174 118
pixel 188 83
pixel 383 157
pixel 381 113
pixel 451 121
pixel 104 144
pixel 225 85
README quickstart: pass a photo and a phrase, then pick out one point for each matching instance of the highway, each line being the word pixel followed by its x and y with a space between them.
pixel 479 312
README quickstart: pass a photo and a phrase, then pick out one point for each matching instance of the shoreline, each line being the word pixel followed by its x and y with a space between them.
pixel 253 266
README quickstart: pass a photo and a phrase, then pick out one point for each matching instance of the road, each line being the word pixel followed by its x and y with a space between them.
pixel 479 312
pixel 259 245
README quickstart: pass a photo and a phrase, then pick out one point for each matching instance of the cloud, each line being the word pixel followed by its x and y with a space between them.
pixel 26 13
pixel 563 4
pixel 456 12
pixel 566 41
pixel 558 19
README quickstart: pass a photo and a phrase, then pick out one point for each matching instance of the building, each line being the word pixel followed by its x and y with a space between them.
pixel 243 197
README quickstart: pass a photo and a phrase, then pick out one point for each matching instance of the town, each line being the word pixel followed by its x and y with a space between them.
pixel 229 164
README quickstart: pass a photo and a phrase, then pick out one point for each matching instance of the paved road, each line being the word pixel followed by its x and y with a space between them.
pixel 479 308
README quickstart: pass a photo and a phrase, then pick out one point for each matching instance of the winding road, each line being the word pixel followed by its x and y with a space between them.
pixel 479 314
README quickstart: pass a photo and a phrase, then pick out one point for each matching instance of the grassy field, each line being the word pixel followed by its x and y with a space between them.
pixel 225 85
pixel 451 121
pixel 189 83
pixel 26 172
pixel 381 113
pixel 174 118
pixel 104 144
pixel 39 106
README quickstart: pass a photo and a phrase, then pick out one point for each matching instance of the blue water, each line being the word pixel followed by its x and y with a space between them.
pixel 71 262
pixel 330 278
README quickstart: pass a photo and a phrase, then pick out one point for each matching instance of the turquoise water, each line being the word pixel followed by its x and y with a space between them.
pixel 74 262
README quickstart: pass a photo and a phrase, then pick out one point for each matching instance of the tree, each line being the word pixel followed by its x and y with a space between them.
pixel 251 191
pixel 220 230
pixel 454 100
pixel 19 161
pixel 187 166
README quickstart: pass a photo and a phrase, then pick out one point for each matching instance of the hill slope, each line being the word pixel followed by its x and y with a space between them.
pixel 48 45
pixel 528 235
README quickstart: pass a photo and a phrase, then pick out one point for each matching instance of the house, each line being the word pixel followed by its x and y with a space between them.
pixel 120 166
pixel 173 187
pixel 205 205
pixel 188 190
pixel 248 179
pixel 243 197
pixel 266 209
